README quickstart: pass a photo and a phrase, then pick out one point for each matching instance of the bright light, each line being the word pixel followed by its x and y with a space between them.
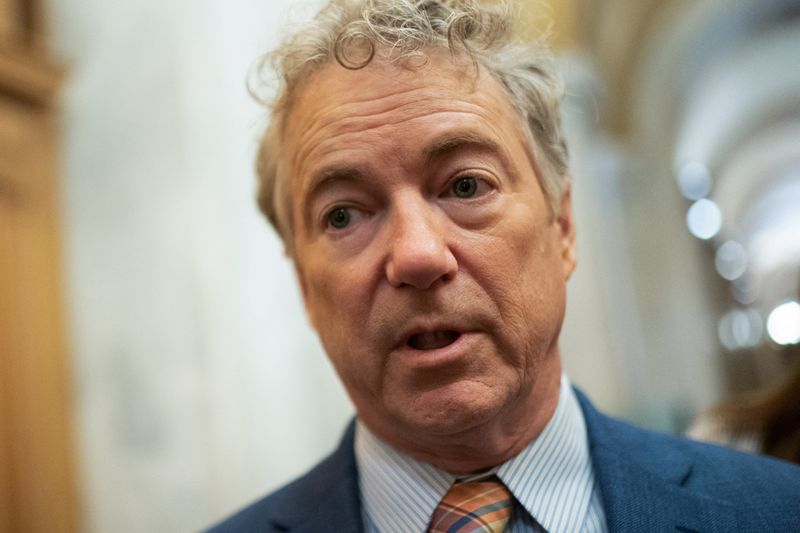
pixel 740 328
pixel 694 180
pixel 783 324
pixel 731 260
pixel 704 219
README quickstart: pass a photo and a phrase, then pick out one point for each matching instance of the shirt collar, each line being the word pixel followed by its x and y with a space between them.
pixel 552 478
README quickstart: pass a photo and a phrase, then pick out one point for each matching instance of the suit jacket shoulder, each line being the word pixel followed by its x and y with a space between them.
pixel 650 481
pixel 324 499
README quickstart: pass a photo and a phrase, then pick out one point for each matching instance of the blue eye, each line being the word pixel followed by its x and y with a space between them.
pixel 465 187
pixel 339 218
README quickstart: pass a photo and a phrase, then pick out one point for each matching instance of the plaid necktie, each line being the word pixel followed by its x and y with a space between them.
pixel 475 506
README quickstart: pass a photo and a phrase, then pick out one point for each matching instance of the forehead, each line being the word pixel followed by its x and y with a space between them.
pixel 384 110
pixel 382 89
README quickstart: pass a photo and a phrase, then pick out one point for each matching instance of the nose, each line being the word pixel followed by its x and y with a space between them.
pixel 419 253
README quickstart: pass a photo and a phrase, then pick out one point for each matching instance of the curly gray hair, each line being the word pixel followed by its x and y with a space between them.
pixel 351 31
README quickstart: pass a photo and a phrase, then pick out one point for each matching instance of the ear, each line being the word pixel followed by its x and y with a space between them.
pixel 566 227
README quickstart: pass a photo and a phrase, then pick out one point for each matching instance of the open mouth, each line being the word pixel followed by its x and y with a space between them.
pixel 432 340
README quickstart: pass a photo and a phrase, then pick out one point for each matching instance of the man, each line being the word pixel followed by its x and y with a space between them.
pixel 416 171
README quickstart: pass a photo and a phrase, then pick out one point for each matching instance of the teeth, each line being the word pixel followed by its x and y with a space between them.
pixel 432 340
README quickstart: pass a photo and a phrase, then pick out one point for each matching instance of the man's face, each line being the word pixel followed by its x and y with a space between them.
pixel 430 265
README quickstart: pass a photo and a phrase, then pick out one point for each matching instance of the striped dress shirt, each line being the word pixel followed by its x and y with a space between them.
pixel 552 479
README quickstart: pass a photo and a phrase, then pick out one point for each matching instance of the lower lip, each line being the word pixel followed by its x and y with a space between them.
pixel 421 359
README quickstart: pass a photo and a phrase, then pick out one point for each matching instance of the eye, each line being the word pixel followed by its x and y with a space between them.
pixel 338 218
pixel 342 217
pixel 469 186
pixel 465 187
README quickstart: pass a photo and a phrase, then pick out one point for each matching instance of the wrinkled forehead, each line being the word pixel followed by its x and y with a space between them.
pixel 334 98
pixel 435 70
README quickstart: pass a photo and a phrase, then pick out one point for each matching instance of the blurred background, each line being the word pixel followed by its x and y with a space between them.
pixel 156 369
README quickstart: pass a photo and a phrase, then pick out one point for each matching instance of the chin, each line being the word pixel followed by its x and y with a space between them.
pixel 452 410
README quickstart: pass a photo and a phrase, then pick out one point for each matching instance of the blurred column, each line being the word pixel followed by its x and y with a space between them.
pixel 37 492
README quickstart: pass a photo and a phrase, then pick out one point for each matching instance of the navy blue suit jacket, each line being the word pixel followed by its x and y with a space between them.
pixel 649 482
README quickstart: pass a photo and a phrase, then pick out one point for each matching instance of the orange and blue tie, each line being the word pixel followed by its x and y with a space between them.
pixel 475 506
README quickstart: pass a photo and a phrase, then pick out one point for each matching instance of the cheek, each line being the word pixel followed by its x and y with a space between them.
pixel 327 313
pixel 544 294
pixel 323 278
pixel 336 301
pixel 523 274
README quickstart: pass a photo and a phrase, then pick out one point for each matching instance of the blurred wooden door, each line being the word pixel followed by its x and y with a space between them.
pixel 37 490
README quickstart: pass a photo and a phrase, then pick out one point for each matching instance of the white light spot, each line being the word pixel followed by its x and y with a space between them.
pixel 740 328
pixel 704 219
pixel 731 260
pixel 783 324
pixel 694 180
pixel 745 289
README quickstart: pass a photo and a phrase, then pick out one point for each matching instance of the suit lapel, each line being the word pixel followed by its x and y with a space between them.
pixel 337 513
pixel 328 498
pixel 642 478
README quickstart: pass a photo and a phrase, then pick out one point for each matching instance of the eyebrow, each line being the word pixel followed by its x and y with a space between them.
pixel 442 147
pixel 333 174
pixel 329 175
pixel 455 142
